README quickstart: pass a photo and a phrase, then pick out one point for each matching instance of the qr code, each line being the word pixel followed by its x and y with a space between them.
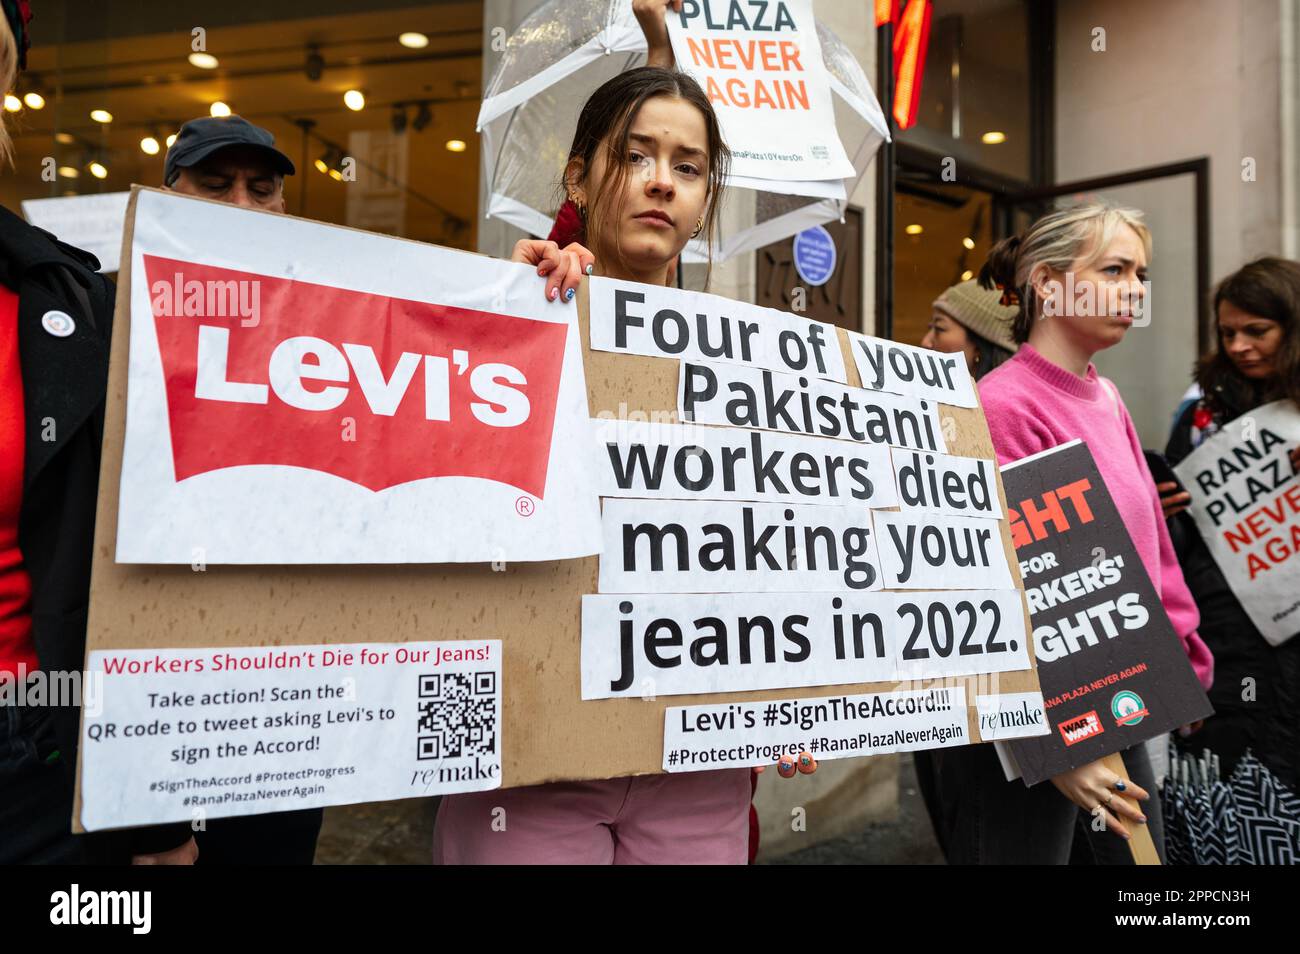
pixel 458 715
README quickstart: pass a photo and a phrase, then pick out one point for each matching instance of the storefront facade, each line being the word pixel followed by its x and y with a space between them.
pixel 115 79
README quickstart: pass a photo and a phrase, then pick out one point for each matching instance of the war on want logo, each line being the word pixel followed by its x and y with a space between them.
pixel 1127 708
pixel 1080 728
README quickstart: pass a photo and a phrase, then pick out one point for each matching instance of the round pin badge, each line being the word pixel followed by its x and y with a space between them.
pixel 58 323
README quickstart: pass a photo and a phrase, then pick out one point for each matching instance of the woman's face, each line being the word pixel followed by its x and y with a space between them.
pixel 666 190
pixel 1251 342
pixel 1106 293
pixel 948 336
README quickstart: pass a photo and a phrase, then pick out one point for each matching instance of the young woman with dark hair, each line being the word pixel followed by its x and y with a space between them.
pixel 645 175
pixel 972 320
pixel 1256 694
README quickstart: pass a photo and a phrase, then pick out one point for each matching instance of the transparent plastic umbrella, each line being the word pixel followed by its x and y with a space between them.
pixel 564 50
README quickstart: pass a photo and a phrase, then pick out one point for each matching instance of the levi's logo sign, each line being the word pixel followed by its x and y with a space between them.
pixel 1080 728
pixel 379 391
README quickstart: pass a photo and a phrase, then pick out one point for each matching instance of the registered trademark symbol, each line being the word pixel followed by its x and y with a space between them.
pixel 524 506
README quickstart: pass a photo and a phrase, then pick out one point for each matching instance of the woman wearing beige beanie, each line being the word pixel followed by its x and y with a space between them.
pixel 972 320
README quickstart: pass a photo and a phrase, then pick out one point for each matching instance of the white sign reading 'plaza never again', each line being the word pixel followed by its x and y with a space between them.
pixel 302 393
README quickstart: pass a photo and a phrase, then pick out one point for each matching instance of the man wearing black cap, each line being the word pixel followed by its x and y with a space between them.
pixel 228 160
pixel 231 160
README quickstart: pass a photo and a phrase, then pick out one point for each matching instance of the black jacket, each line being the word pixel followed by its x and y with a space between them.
pixel 64 385
pixel 1245 664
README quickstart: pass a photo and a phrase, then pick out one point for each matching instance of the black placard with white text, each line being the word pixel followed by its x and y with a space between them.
pixel 1112 670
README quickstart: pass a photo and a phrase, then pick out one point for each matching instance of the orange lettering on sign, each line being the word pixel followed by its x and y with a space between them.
pixel 772 56
pixel 760 94
pixel 1261 521
pixel 1030 522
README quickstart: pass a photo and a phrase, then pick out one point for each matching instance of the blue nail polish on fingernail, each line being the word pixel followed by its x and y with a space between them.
pixel 590 268
pixel 568 295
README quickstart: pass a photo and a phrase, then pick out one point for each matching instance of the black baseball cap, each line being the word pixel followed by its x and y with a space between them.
pixel 200 138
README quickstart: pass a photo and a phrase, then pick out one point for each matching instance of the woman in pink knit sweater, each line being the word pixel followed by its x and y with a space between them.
pixel 1077 276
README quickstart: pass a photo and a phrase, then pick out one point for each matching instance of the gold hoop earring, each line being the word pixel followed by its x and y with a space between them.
pixel 699 226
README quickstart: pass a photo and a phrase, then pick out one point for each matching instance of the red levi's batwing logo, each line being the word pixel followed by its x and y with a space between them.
pixel 379 391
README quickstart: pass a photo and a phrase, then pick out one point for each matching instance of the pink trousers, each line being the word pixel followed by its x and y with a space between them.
pixel 687 818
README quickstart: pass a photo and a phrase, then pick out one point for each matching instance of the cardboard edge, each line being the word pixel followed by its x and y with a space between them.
pixel 115 424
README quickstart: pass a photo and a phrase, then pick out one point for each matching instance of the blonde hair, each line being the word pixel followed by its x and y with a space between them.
pixel 1064 240
pixel 8 73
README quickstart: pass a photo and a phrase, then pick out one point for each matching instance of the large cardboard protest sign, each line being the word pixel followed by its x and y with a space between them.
pixel 761 66
pixel 259 688
pixel 1112 669
pixel 1246 504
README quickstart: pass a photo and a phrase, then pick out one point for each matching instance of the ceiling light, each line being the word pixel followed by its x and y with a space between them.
pixel 69 172
pixel 34 100
pixel 968 242
pixel 993 138
pixel 204 61
pixel 149 146
pixel 98 170
pixel 413 40
pixel 354 100
pixel 455 145
pixel 12 103
pixel 101 115
pixel 967 275
pixel 66 139
pixel 171 139
pixel 914 229
pixel 219 109
pixel 399 119
pixel 321 165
